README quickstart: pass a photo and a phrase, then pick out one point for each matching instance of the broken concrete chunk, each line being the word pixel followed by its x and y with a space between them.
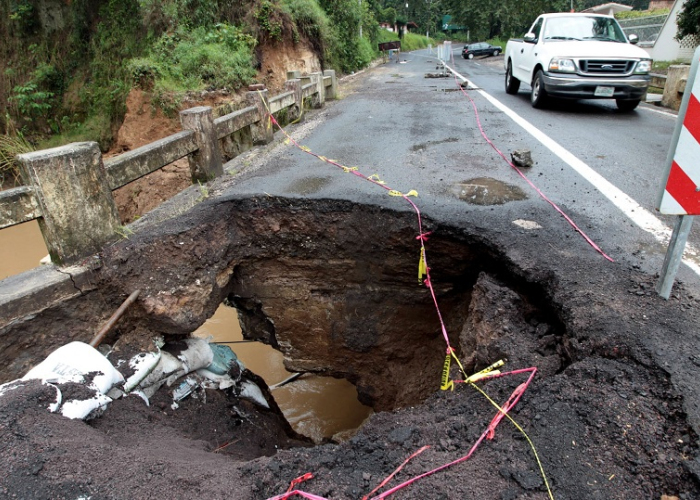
pixel 522 158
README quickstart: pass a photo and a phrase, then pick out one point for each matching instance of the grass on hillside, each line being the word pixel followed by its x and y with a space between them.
pixel 410 41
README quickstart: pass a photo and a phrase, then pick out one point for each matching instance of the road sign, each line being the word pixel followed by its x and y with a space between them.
pixel 680 194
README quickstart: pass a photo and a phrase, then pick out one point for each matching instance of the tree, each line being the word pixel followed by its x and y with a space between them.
pixel 689 19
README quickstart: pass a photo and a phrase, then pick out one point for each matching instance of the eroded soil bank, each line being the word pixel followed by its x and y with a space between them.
pixel 334 286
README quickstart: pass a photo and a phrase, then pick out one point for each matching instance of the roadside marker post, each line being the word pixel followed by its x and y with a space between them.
pixel 680 194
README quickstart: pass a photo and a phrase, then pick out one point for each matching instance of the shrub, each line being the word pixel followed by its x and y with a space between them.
pixel 202 58
pixel 312 21
pixel 10 147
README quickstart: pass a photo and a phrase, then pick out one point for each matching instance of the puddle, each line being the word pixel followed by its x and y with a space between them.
pixel 318 407
pixel 487 191
pixel 21 248
pixel 308 185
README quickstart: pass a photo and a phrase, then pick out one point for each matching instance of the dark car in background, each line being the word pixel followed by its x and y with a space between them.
pixel 480 49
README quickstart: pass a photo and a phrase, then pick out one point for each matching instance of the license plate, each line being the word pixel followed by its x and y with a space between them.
pixel 604 91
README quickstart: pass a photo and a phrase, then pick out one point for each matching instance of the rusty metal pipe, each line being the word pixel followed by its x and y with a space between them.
pixel 97 339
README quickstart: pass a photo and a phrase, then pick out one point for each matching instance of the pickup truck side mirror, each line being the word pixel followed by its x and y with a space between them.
pixel 634 39
pixel 530 37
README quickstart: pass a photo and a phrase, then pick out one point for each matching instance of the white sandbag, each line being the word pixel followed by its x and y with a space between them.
pixel 168 369
pixel 72 362
pixel 197 355
pixel 215 381
pixel 252 392
pixel 81 409
pixel 16 384
pixel 142 364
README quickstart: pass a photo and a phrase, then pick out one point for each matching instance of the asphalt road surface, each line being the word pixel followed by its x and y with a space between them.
pixel 627 150
pixel 601 166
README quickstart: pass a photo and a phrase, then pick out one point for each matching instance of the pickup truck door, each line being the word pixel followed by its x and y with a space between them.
pixel 528 55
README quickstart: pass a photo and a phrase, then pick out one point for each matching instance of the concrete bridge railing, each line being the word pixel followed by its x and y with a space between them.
pixel 69 188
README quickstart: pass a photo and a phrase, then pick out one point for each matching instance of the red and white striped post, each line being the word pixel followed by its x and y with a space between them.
pixel 680 194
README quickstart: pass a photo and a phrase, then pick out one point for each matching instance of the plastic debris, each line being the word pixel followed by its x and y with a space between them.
pixel 185 388
pixel 224 358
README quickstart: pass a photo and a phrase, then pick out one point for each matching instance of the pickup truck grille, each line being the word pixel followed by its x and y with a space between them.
pixel 606 66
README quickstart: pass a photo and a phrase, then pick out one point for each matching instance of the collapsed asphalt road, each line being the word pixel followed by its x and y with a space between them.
pixel 323 265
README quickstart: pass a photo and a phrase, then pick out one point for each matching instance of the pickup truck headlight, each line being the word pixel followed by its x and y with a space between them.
pixel 643 67
pixel 562 65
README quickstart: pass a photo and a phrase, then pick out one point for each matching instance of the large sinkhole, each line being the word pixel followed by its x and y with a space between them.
pixel 333 286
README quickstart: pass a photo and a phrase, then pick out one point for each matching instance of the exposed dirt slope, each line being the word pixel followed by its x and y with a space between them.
pixel 145 122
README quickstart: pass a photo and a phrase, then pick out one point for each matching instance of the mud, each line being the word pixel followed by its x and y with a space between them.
pixel 334 298
pixel 487 191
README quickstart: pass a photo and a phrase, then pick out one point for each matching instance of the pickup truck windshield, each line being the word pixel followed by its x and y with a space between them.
pixel 584 28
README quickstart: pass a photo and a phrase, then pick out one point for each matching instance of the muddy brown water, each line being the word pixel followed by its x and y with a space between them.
pixel 21 248
pixel 317 407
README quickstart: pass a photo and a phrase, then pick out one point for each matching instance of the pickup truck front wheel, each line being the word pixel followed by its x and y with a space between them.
pixel 538 96
pixel 627 105
pixel 512 83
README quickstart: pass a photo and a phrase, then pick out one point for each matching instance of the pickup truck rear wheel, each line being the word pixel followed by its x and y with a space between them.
pixel 512 83
pixel 538 96
pixel 627 105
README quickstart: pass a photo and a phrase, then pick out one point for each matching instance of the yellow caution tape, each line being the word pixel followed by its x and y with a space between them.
pixel 461 368
pixel 486 372
pixel 322 158
pixel 446 382
pixel 375 178
pixel 394 192
pixel 349 169
pixel 422 270
pixel 305 148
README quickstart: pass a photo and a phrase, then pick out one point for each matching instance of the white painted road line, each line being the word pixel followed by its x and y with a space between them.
pixel 628 206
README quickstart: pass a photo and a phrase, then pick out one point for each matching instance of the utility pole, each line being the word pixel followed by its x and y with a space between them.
pixel 361 17
pixel 430 18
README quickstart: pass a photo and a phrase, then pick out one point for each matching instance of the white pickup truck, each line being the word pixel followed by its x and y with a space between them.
pixel 578 56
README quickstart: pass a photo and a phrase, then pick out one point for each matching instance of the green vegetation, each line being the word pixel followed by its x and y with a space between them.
pixel 11 145
pixel 634 14
pixel 498 41
pixel 409 42
pixel 662 66
pixel 689 19
pixel 66 76
pixel 219 57
pixel 511 18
